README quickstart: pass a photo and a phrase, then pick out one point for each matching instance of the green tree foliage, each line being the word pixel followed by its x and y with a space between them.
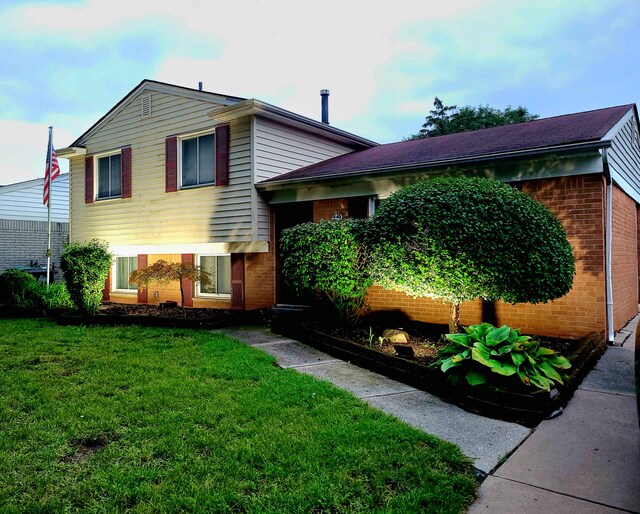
pixel 328 258
pixel 15 287
pixel 444 120
pixel 163 272
pixel 22 290
pixel 462 238
pixel 86 267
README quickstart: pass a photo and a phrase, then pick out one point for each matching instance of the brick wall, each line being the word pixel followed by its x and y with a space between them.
pixel 23 241
pixel 324 209
pixel 579 204
pixel 624 258
pixel 259 274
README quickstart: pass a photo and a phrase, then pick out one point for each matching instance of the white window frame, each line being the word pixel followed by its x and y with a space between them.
pixel 96 175
pixel 199 293
pixel 193 136
pixel 114 275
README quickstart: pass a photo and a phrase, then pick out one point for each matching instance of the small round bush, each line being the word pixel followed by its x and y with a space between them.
pixel 461 238
pixel 16 287
pixel 328 258
pixel 86 267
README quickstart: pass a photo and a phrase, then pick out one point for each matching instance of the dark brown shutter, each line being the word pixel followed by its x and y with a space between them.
pixel 126 172
pixel 171 164
pixel 187 285
pixel 237 281
pixel 143 293
pixel 222 155
pixel 88 179
pixel 106 292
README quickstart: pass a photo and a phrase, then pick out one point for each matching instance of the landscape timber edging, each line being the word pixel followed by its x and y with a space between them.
pixel 527 409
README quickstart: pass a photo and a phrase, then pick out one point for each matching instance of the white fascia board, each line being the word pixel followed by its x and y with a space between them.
pixel 198 248
pixel 614 130
pixel 70 151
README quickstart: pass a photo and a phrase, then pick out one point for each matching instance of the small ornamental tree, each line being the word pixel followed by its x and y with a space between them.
pixel 85 267
pixel 163 272
pixel 328 258
pixel 462 238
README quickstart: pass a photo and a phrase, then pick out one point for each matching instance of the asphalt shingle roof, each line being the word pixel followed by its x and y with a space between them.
pixel 559 130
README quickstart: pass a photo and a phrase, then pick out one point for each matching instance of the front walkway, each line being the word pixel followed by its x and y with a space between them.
pixel 588 459
pixel 487 441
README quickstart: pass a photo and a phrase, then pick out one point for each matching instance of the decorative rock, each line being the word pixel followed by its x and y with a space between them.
pixel 395 335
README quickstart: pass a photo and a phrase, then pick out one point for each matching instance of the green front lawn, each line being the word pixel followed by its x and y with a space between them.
pixel 160 420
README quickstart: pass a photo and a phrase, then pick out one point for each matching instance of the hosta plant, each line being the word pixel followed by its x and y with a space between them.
pixel 486 350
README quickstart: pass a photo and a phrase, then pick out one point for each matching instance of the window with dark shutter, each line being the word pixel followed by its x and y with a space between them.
pixel 171 164
pixel 222 155
pixel 88 179
pixel 126 172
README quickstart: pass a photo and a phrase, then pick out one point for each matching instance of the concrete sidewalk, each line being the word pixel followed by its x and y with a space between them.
pixel 588 459
pixel 487 441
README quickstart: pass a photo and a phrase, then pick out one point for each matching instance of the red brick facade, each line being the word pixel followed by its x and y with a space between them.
pixel 259 270
pixel 579 203
pixel 324 209
pixel 624 261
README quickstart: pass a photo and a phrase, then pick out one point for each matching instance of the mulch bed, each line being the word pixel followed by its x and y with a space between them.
pixel 517 403
pixel 159 316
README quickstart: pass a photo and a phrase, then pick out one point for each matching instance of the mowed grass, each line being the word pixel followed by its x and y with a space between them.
pixel 115 419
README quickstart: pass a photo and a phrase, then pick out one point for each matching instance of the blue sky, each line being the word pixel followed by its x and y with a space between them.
pixel 66 63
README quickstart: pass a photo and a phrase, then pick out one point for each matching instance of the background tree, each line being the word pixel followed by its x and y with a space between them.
pixel 458 239
pixel 163 272
pixel 85 267
pixel 451 120
pixel 328 258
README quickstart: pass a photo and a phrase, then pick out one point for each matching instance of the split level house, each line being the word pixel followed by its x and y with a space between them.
pixel 185 175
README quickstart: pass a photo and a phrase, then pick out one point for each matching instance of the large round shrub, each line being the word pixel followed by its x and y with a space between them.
pixel 86 267
pixel 328 258
pixel 462 238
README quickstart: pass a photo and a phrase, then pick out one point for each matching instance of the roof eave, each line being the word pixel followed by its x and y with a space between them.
pixel 153 85
pixel 275 185
pixel 71 151
pixel 256 107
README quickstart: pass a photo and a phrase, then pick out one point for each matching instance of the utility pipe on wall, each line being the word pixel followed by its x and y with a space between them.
pixel 607 245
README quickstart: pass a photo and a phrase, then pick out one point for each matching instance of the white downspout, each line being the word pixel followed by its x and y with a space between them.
pixel 607 246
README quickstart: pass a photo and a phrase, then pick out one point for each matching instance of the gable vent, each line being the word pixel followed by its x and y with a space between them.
pixel 145 103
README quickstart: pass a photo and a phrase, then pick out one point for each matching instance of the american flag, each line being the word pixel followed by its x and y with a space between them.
pixel 51 168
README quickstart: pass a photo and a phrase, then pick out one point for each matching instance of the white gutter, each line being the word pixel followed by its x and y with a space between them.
pixel 607 246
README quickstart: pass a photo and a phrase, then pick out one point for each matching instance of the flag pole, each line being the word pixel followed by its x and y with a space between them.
pixel 49 156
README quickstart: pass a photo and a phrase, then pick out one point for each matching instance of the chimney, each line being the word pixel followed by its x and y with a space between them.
pixel 199 86
pixel 324 93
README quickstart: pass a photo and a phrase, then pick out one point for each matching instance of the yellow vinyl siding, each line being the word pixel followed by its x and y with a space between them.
pixel 152 216
pixel 280 149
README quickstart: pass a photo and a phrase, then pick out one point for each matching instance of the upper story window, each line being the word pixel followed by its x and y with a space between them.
pixel 109 176
pixel 197 161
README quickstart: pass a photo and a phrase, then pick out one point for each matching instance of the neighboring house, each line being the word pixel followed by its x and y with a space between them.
pixel 23 223
pixel 170 172
pixel 584 167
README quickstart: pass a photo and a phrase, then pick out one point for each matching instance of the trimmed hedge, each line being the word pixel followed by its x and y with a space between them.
pixel 463 238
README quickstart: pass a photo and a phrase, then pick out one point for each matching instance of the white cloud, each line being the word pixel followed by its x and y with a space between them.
pixel 23 147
